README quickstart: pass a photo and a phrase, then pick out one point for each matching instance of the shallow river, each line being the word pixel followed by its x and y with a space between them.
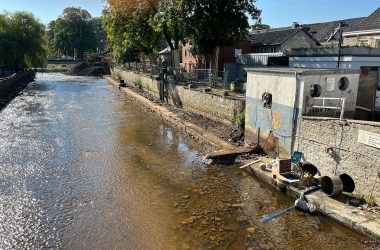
pixel 83 167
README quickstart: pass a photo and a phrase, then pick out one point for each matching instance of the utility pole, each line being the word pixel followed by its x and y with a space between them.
pixel 340 32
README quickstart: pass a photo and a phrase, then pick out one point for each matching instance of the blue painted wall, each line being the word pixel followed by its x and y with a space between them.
pixel 278 119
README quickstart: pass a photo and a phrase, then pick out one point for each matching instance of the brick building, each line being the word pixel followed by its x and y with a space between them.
pixel 226 55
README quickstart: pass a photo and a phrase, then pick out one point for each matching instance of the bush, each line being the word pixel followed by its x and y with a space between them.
pixel 368 199
pixel 240 118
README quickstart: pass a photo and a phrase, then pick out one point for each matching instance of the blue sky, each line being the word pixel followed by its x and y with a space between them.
pixel 279 13
pixel 276 13
pixel 47 10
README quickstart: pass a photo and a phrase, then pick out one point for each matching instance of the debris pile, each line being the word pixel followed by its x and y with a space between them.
pixel 85 69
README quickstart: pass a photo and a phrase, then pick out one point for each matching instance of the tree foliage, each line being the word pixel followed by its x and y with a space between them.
pixel 127 23
pixel 259 25
pixel 100 33
pixel 207 25
pixel 213 24
pixel 168 19
pixel 72 33
pixel 21 40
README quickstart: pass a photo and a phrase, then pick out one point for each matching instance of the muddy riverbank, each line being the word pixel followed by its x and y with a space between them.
pixel 231 218
pixel 225 130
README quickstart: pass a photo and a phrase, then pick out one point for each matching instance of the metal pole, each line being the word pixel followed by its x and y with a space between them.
pixel 339 44
pixel 342 111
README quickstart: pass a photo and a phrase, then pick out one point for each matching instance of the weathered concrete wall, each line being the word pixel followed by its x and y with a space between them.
pixel 329 87
pixel 211 105
pixel 260 121
pixel 333 147
pixel 291 97
pixel 144 81
pixel 13 84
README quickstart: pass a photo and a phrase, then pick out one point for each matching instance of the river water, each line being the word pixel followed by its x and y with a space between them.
pixel 84 167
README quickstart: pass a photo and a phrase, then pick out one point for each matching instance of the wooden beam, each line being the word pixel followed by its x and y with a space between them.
pixel 248 164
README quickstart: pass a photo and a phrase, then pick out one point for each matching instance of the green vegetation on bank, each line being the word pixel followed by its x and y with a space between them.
pixel 21 40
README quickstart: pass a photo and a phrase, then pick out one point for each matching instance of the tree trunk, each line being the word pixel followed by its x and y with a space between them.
pixel 153 60
pixel 175 60
pixel 167 37
pixel 176 52
pixel 214 58
pixel 143 60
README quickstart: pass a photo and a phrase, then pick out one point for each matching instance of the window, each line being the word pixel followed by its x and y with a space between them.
pixel 364 43
pixel 377 43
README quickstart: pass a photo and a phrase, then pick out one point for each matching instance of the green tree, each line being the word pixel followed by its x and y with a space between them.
pixel 159 18
pixel 72 33
pixel 209 25
pixel 128 28
pixel 100 33
pixel 259 25
pixel 21 40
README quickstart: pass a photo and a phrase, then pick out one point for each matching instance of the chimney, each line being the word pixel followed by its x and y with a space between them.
pixel 295 25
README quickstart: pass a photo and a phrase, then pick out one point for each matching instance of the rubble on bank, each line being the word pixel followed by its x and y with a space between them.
pixel 86 69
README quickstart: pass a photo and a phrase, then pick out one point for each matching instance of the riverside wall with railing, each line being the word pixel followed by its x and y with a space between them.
pixel 217 107
pixel 198 77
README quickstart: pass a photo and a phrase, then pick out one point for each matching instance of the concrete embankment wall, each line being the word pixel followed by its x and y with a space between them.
pixel 212 106
pixel 337 147
pixel 15 83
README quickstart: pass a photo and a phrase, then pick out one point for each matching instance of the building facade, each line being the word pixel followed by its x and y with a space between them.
pixel 365 33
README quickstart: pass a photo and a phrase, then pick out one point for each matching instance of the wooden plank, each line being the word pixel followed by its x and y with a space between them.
pixel 248 164
pixel 230 152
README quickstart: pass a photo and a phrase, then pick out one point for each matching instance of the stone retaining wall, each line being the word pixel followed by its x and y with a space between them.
pixel 333 146
pixel 212 106
pixel 15 83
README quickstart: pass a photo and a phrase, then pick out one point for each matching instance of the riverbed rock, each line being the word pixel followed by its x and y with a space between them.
pixel 251 230
pixel 242 218
pixel 185 197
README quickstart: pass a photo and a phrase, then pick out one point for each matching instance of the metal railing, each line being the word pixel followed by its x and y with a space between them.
pixel 199 77
pixel 205 77
pixel 149 68
pixel 327 103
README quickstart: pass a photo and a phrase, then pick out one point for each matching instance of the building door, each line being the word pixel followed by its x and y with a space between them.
pixel 368 83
